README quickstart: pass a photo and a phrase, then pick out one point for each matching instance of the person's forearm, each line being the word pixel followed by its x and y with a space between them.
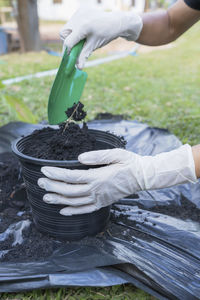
pixel 196 156
pixel 156 29
pixel 163 27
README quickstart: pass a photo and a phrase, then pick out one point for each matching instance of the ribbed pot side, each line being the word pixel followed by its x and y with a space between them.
pixel 46 217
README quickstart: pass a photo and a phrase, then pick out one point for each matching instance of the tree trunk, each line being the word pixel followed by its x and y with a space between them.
pixel 28 25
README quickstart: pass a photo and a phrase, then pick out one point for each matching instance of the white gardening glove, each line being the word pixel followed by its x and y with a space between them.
pixel 99 28
pixel 84 191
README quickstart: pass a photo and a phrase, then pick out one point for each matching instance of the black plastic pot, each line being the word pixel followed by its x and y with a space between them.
pixel 46 216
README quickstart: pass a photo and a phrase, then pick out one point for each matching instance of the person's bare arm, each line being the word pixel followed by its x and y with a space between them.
pixel 166 26
pixel 196 156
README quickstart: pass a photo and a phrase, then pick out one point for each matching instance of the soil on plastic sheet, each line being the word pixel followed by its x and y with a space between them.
pixel 8 164
pixel 10 178
pixel 109 116
pixel 35 246
pixel 187 210
pixel 38 247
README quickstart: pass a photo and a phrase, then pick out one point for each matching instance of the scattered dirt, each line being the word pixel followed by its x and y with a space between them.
pixel 10 178
pixel 36 246
pixel 10 216
pixel 109 116
pixel 187 210
pixel 14 208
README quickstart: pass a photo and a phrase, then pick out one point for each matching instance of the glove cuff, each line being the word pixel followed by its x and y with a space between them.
pixel 169 168
pixel 131 26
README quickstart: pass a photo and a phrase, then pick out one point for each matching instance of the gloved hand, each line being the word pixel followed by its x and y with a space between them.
pixel 99 28
pixel 84 191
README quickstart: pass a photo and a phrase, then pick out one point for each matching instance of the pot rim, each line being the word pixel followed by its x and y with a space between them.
pixel 40 161
pixel 48 162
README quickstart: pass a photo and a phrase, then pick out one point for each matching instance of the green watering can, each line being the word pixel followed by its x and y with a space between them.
pixel 67 87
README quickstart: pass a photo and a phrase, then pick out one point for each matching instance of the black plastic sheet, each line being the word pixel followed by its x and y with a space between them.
pixel 155 250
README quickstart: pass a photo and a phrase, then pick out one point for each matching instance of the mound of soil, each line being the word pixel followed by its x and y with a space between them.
pixel 61 144
pixel 76 112
pixel 36 246
pixel 65 143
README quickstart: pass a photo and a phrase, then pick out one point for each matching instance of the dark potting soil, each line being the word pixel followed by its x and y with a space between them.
pixel 65 143
pixel 61 144
pixel 10 178
pixel 9 165
pixel 36 246
pixel 76 112
pixel 187 210
pixel 14 208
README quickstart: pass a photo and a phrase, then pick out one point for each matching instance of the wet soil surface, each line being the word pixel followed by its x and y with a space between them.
pixel 61 144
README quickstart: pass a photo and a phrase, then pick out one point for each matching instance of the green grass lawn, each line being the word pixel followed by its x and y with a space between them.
pixel 161 88
pixel 122 292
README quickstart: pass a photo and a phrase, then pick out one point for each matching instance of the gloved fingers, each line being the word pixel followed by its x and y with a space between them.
pixel 65 189
pixel 85 53
pixel 101 157
pixel 67 175
pixel 84 209
pixel 59 199
pixel 72 39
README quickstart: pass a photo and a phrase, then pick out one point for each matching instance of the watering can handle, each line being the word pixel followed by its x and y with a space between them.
pixel 76 50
